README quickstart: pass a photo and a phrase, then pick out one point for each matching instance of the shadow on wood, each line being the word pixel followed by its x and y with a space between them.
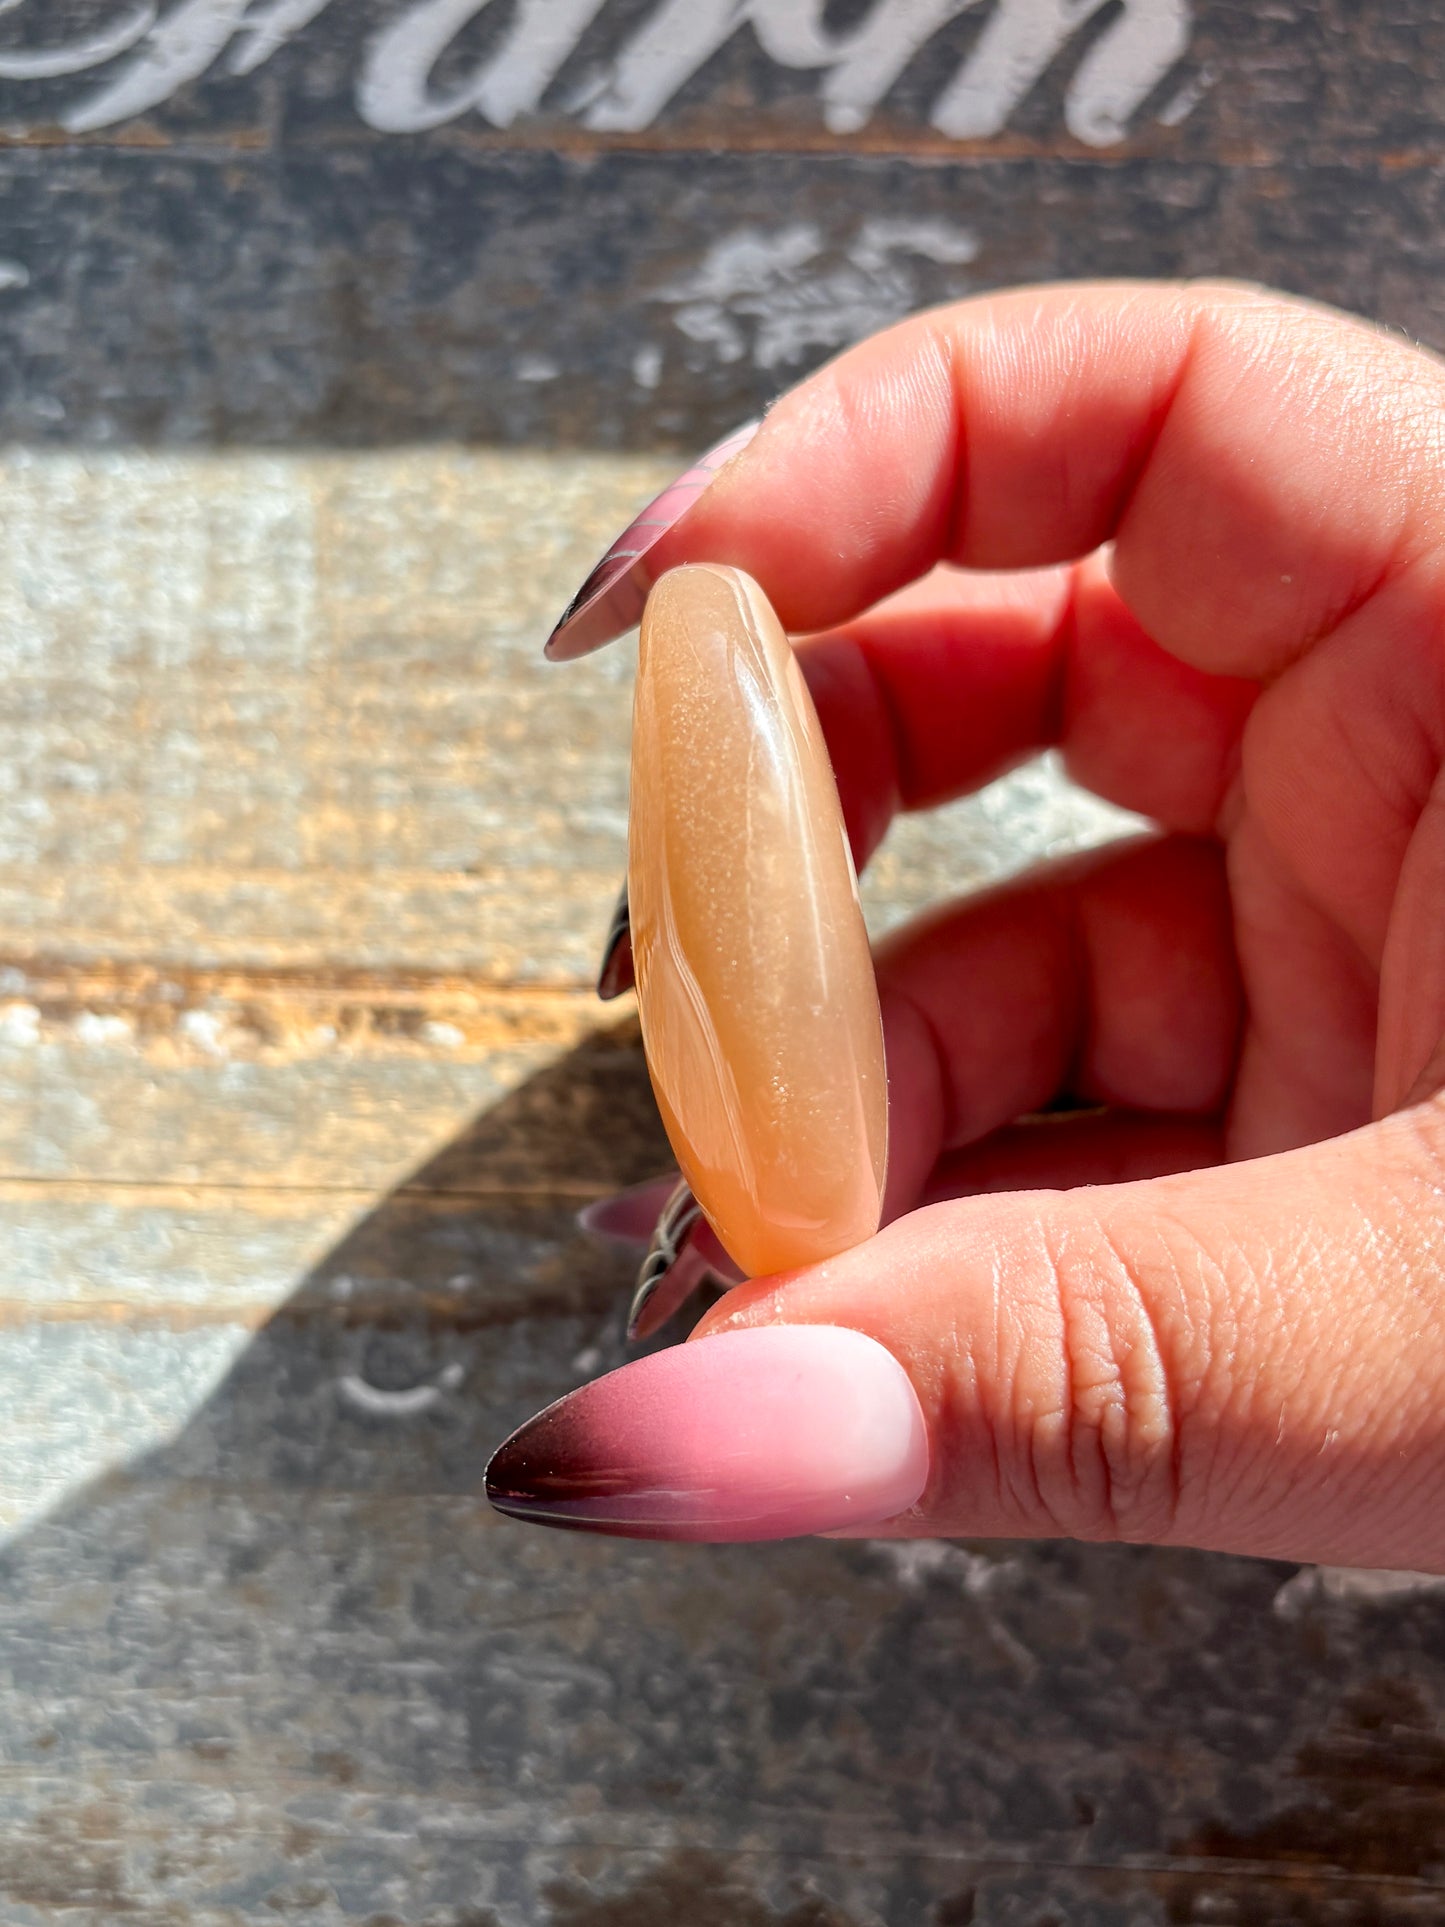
pixel 291 1667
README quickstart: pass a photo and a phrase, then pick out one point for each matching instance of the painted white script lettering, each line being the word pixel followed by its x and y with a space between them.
pixel 49 63
pixel 1128 60
pixel 393 94
pixel 153 55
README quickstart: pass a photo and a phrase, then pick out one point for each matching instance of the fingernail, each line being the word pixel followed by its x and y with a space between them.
pixel 767 1433
pixel 610 600
pixel 631 1215
pixel 617 973
pixel 664 1300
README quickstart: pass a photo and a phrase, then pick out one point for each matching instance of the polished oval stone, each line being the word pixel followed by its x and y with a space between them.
pixel 754 980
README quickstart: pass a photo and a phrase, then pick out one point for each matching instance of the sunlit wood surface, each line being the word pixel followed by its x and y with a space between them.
pixel 337 337
pixel 306 858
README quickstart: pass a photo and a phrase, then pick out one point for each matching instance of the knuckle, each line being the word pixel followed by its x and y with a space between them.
pixel 1108 1451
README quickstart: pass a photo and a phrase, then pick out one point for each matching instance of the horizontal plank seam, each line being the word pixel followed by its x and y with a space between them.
pixel 369 1312
pixel 133 978
pixel 241 145
pixel 980 1864
pixel 164 1190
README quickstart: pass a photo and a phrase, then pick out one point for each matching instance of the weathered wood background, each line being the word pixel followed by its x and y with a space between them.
pixel 337 339
pixel 320 237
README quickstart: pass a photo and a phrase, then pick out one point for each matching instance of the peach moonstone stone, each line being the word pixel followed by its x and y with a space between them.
pixel 754 980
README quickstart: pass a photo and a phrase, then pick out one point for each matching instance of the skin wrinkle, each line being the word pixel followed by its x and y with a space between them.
pixel 999 1307
pixel 1025 1494
pixel 1122 1405
pixel 1206 1306
pixel 1058 1435
pixel 1150 1407
pixel 1220 1410
pixel 957 1397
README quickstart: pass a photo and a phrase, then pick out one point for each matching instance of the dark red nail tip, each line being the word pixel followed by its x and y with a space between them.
pixel 762 1433
pixel 611 600
pixel 552 1471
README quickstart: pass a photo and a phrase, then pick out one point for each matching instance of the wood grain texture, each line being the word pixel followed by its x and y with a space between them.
pixel 251 259
pixel 284 1664
pixel 304 860
pixel 289 711
pixel 288 1183
pixel 390 294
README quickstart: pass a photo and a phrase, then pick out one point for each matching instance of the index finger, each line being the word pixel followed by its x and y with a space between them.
pixel 1261 465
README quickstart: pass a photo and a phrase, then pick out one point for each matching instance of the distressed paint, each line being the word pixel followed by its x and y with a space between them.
pixel 295 1235
pixel 374 293
pixel 153 55
pixel 304 858
pixel 780 296
pixel 265 711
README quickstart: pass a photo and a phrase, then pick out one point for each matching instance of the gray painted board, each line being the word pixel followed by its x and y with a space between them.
pixel 626 223
pixel 303 859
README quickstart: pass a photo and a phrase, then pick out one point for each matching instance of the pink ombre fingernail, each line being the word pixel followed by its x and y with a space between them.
pixel 631 1215
pixel 767 1433
pixel 610 600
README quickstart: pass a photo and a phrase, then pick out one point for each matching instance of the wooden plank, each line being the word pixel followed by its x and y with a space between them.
pixel 1215 76
pixel 304 857
pixel 285 1664
pixel 291 1652
pixel 269 250
pixel 527 299
pixel 123 1309
pixel 184 1179
pixel 290 711
pixel 225 1096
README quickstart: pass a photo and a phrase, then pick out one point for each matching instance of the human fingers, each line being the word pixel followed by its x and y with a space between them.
pixel 1111 977
pixel 939 689
pixel 947 684
pixel 1248 1358
pixel 1263 466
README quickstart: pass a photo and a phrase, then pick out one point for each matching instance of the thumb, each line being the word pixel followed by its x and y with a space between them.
pixel 1250 1358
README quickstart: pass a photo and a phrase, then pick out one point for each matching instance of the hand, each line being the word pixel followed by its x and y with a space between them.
pixel 1233 1335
